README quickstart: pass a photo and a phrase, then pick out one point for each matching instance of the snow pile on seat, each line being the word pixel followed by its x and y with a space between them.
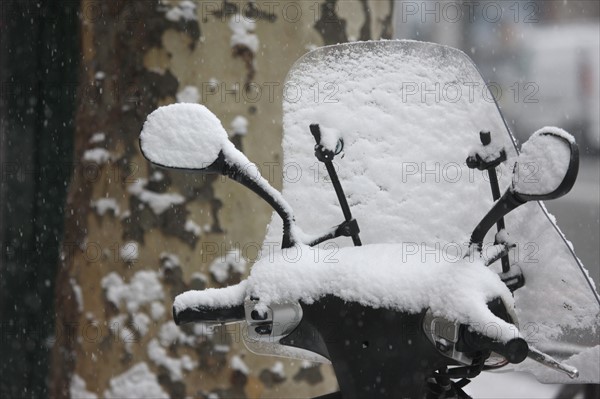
pixel 377 275
pixel 384 276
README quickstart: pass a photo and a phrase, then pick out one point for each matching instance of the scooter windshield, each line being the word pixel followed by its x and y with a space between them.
pixel 409 113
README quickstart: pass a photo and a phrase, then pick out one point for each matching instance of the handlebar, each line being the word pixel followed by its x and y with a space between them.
pixel 207 314
pixel 514 350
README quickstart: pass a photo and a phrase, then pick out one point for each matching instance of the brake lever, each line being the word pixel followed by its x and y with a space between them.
pixel 549 361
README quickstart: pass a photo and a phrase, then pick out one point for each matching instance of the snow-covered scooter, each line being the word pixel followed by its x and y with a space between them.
pixel 429 296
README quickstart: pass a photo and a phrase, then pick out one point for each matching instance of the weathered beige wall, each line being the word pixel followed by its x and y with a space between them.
pixel 146 60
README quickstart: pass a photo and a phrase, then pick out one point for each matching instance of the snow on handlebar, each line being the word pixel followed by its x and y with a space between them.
pixel 213 305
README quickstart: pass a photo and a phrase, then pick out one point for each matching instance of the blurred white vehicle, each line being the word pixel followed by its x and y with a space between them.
pixel 559 82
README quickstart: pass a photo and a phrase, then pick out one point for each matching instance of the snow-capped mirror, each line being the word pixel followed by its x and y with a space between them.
pixel 187 136
pixel 545 169
pixel 547 166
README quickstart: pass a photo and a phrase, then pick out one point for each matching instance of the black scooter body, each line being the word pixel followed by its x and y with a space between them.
pixel 375 353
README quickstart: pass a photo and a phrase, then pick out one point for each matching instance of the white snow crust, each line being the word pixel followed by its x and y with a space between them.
pixel 97 138
pixel 192 227
pixel 233 261
pixel 212 297
pixel 157 310
pixel 375 275
pixel 189 94
pixel 169 260
pixel 141 322
pixel 78 293
pixel 158 202
pixel 488 152
pixel 204 329
pixel 103 205
pixel 239 125
pixel 199 276
pixel 78 389
pixel 170 334
pixel 183 135
pixel 185 10
pixel 143 288
pixel 543 162
pixel 330 138
pixel 242 29
pixel 238 364
pixel 129 252
pixel 96 155
pixel 278 369
pixel 403 167
pixel 176 366
pixel 137 382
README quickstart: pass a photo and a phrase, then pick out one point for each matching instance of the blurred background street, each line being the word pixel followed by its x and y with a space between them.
pixel 578 213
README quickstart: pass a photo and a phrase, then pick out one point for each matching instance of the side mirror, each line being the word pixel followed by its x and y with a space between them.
pixel 546 169
pixel 184 136
pixel 547 166
pixel 189 136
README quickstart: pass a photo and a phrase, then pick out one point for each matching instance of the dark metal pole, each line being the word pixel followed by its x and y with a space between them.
pixel 486 139
pixel 327 157
pixel 342 198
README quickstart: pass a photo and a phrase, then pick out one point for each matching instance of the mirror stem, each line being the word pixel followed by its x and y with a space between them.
pixel 234 172
pixel 509 202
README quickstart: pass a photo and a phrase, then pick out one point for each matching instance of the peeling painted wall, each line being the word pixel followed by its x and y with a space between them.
pixel 231 56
